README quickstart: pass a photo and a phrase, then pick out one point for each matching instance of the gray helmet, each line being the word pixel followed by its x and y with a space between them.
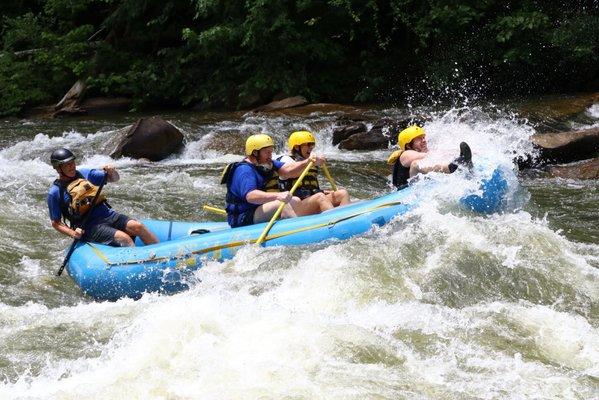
pixel 61 156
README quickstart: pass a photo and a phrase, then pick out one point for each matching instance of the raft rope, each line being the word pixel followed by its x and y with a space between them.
pixel 237 243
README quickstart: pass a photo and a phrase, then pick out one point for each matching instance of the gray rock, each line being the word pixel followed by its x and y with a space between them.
pixel 389 128
pixel 372 140
pixel 343 132
pixel 150 138
pixel 289 102
pixel 566 147
pixel 355 134
pixel 587 169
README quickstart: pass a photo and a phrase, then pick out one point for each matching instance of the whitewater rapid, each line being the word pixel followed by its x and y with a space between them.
pixel 438 304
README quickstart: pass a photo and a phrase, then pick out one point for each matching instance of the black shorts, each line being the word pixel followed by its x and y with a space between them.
pixel 244 219
pixel 305 193
pixel 103 230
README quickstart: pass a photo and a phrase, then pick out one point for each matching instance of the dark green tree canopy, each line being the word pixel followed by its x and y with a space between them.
pixel 229 53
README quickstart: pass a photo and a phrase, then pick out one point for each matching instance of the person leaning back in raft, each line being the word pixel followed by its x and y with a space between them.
pixel 313 199
pixel 69 200
pixel 253 193
pixel 412 149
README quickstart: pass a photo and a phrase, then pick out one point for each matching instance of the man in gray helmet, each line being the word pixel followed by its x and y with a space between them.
pixel 70 197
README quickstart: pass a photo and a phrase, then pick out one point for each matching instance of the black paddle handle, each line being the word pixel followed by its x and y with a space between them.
pixel 83 222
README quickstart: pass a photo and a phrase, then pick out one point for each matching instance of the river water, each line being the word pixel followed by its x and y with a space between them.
pixel 439 304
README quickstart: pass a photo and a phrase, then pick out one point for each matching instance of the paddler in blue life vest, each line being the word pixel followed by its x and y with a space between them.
pixel 70 197
pixel 314 200
pixel 253 193
pixel 412 149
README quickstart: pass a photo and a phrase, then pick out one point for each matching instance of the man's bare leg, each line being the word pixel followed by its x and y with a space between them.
pixel 267 210
pixel 136 228
pixel 314 204
pixel 123 239
pixel 338 198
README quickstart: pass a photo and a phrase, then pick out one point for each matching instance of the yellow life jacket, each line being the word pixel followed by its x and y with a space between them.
pixel 272 182
pixel 82 194
pixel 309 184
pixel 394 157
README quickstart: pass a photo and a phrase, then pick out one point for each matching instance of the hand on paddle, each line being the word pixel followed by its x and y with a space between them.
pixel 318 160
pixel 111 173
pixel 287 195
pixel 78 233
pixel 284 197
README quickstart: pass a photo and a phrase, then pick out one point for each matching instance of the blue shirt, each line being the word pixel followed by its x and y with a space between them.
pixel 96 177
pixel 245 179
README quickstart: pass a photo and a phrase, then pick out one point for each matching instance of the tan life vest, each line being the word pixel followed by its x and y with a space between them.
pixel 309 184
pixel 82 194
pixel 271 183
pixel 394 157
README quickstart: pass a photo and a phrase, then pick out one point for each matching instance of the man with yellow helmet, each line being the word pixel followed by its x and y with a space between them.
pixel 313 199
pixel 412 149
pixel 253 193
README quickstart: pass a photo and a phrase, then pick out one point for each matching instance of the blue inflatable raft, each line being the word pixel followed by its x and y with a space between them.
pixel 110 273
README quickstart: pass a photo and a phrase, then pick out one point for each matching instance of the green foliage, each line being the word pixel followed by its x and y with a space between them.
pixel 23 32
pixel 44 71
pixel 230 53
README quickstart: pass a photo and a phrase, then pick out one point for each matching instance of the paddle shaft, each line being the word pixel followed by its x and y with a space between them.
pixel 280 209
pixel 215 210
pixel 83 222
pixel 327 173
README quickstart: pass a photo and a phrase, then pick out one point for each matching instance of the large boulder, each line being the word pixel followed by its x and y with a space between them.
pixel 566 147
pixel 557 108
pixel 342 133
pixel 289 102
pixel 587 169
pixel 152 138
pixel 372 140
pixel 389 128
pixel 357 136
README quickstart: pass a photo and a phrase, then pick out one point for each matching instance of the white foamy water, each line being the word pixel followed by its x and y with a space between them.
pixel 593 111
pixel 438 304
pixel 279 323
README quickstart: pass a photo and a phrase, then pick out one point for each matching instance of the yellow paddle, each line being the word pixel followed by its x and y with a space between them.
pixel 280 209
pixel 215 210
pixel 327 173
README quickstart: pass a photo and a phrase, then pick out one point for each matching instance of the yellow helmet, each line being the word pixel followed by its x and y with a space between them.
pixel 298 138
pixel 409 134
pixel 257 142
